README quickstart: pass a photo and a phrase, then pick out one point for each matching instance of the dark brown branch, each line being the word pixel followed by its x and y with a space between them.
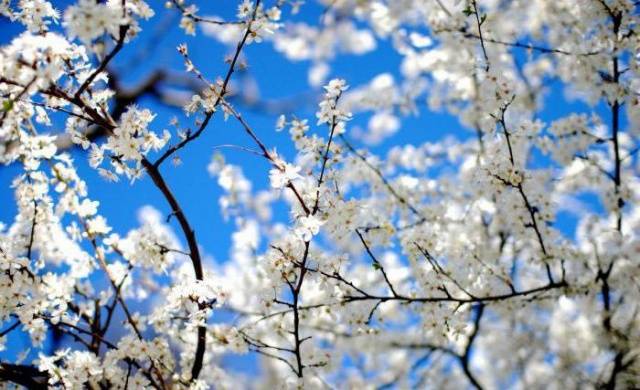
pixel 296 316
pixel 23 375
pixel 530 208
pixel 194 254
pixel 5 112
pixel 451 299
pixel 603 274
pixel 105 61
pixel 10 329
pixel 325 157
pixel 464 358
pixel 376 263
pixel 33 229
pixel 440 270
pixel 223 90
pixel 479 22
pixel 384 180
pixel 199 19
pixel 528 46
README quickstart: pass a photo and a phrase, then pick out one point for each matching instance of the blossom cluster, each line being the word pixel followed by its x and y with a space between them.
pixel 495 250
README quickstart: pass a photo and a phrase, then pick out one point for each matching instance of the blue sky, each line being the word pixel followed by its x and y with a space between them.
pixel 277 79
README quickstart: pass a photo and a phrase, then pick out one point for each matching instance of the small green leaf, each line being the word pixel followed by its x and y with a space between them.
pixel 7 105
pixel 467 11
pixel 376 265
pixel 483 18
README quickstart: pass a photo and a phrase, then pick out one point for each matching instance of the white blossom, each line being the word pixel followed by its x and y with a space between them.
pixel 463 214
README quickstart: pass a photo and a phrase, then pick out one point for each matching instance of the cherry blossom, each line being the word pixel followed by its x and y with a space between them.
pixel 377 248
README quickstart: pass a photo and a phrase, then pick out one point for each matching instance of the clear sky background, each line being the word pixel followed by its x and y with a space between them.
pixel 277 79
